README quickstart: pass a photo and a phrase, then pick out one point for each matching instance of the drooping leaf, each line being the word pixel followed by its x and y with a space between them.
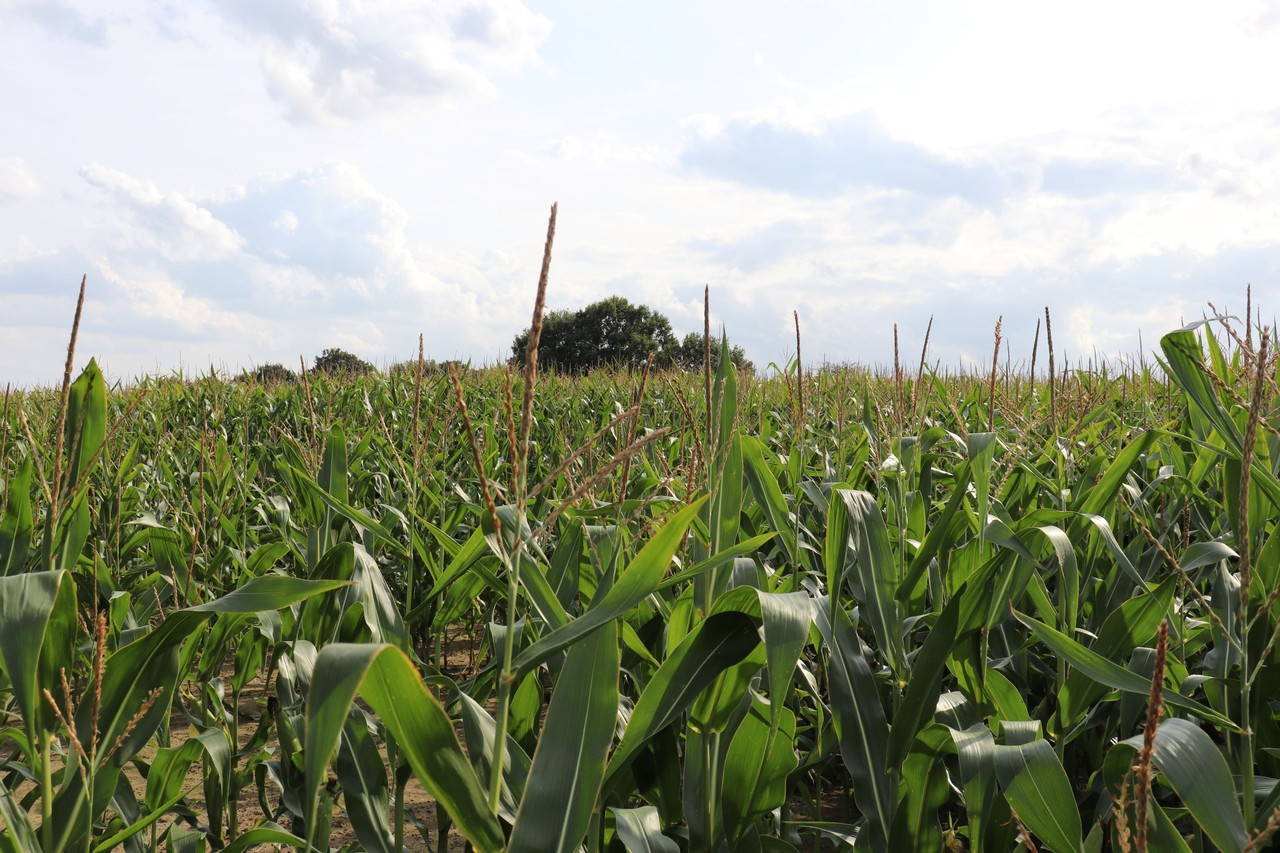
pixel 715 644
pixel 639 579
pixel 641 831
pixel 387 680
pixel 569 765
pixel 1037 788
pixel 860 723
pixel 1192 764
pixel 1113 675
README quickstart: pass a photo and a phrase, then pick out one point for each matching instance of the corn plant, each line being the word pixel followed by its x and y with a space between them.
pixel 814 610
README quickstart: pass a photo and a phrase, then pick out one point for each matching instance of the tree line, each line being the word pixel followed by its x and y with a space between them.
pixel 615 333
pixel 610 333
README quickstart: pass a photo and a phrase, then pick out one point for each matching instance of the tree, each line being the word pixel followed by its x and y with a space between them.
pixel 271 374
pixel 611 332
pixel 689 354
pixel 337 362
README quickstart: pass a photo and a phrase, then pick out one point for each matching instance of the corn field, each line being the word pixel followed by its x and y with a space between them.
pixel 819 610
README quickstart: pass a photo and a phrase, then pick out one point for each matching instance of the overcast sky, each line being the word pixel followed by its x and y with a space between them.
pixel 247 181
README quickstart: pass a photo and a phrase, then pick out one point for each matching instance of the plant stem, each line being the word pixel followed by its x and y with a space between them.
pixel 46 793
pixel 505 678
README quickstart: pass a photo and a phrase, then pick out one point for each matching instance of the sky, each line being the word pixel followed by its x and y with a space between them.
pixel 245 182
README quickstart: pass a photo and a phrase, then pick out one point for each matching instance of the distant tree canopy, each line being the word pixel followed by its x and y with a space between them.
pixel 613 333
pixel 689 354
pixel 337 362
pixel 271 374
pixel 430 367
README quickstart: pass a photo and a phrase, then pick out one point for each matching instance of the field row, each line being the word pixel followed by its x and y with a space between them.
pixel 814 611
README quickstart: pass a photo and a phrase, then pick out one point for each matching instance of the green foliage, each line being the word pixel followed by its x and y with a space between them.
pixel 338 362
pixel 859 589
pixel 271 374
pixel 608 333
pixel 614 333
pixel 690 355
pixel 430 368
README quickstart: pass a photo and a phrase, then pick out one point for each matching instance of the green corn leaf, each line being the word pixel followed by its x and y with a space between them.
pixel 875 574
pixel 860 723
pixel 640 831
pixel 1130 625
pixel 111 842
pixel 345 510
pixel 975 749
pixel 717 643
pixel 169 767
pixel 1184 358
pixel 921 696
pixel 640 578
pixel 787 619
pixel 569 765
pixel 16 524
pixel 1094 500
pixel 269 592
pixel 940 535
pixel 1113 675
pixel 414 717
pixel 267 834
pixel 18 835
pixel 764 486
pixel 756 765
pixel 479 729
pixel 1192 764
pixel 38 615
pixel 72 532
pixel 1039 792
pixel 924 791
pixel 86 426
pixel 365 791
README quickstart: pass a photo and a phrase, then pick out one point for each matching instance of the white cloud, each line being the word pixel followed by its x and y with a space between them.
pixel 287 222
pixel 348 59
pixel 63 19
pixel 325 229
pixel 276 266
pixel 808 157
pixel 814 155
pixel 16 180
pixel 882 163
pixel 1264 20
pixel 598 150
pixel 168 309
pixel 168 223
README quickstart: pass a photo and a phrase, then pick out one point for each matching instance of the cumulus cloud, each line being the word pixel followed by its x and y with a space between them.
pixel 277 266
pixel 348 59
pixel 63 20
pixel 317 239
pixel 166 309
pixel 16 180
pixel 327 234
pixel 764 247
pixel 1101 310
pixel 1087 178
pixel 1265 20
pixel 825 157
pixel 1119 233
pixel 836 156
pixel 169 223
